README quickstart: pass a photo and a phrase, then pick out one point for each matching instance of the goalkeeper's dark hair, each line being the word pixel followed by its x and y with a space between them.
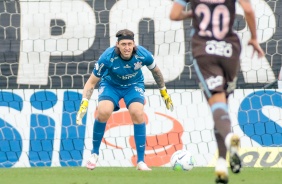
pixel 125 34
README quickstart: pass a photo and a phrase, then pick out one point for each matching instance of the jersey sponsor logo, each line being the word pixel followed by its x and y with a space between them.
pixel 220 48
pixel 128 76
pixel 116 68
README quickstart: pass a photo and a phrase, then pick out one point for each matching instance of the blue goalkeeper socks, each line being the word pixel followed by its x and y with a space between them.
pixel 98 133
pixel 140 140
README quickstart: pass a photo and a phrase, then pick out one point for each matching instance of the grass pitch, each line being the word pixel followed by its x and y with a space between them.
pixel 119 175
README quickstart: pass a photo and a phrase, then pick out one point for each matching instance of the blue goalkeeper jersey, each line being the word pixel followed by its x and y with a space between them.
pixel 123 73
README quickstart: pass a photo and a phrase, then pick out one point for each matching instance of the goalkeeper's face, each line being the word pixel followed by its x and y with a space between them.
pixel 126 48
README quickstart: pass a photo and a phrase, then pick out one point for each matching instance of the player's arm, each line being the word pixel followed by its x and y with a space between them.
pixel 89 86
pixel 158 76
pixel 87 93
pixel 178 11
pixel 250 18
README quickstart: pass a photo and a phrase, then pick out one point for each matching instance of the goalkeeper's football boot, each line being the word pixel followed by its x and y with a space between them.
pixel 221 171
pixel 234 160
pixel 92 161
pixel 141 166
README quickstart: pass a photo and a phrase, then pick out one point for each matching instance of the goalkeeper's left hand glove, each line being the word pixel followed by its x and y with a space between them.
pixel 82 110
pixel 167 99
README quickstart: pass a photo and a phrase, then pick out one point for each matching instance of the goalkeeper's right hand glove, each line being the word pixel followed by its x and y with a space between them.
pixel 82 110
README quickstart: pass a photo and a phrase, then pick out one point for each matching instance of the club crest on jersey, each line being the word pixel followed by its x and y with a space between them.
pixel 137 65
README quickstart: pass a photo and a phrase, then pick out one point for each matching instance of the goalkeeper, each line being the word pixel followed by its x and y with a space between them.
pixel 119 74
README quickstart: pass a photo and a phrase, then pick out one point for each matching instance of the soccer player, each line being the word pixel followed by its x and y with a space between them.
pixel 216 50
pixel 119 69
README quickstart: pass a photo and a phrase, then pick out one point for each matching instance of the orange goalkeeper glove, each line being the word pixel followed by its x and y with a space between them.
pixel 82 110
pixel 167 99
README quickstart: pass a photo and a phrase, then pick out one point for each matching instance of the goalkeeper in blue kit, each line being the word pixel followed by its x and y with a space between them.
pixel 119 74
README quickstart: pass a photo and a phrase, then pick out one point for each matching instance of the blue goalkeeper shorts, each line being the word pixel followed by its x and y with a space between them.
pixel 132 93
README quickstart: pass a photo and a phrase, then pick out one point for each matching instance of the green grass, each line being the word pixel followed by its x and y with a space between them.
pixel 117 175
